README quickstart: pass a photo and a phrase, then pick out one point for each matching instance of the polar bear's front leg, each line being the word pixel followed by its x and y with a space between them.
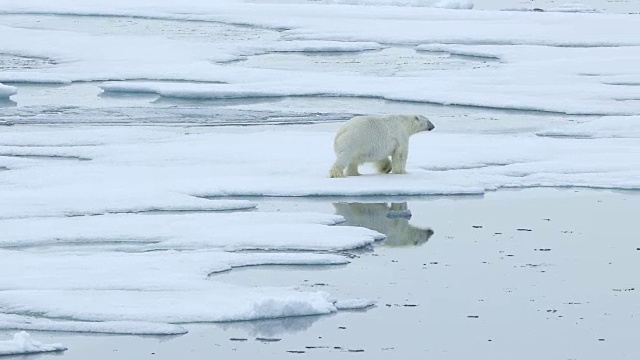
pixel 336 172
pixel 338 167
pixel 352 170
pixel 399 159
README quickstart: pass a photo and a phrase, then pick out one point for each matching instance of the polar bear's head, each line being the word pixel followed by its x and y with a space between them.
pixel 423 123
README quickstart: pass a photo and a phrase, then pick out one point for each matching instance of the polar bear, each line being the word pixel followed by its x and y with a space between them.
pixel 379 217
pixel 365 139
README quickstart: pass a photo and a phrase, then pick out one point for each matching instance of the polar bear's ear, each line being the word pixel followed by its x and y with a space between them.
pixel 417 120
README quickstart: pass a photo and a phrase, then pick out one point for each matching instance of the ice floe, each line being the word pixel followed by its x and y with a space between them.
pixel 77 289
pixel 18 322
pixel 175 172
pixel 269 231
pixel 553 62
pixel 23 343
pixel 220 303
pixel 609 127
pixel 447 4
pixel 354 304
pixel 6 91
pixel 569 7
pixel 127 229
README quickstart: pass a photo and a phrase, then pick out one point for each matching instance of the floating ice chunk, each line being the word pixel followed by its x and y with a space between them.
pixel 168 287
pixel 22 343
pixel 18 322
pixel 6 91
pixel 353 304
pixel 156 270
pixel 268 231
pixel 83 200
pixel 220 303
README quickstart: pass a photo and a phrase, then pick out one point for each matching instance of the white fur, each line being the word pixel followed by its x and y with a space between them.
pixel 374 139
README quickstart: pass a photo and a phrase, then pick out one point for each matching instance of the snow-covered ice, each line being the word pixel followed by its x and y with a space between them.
pixel 448 4
pixel 609 127
pixel 49 258
pixel 67 284
pixel 6 91
pixel 187 167
pixel 113 227
pixel 568 7
pixel 571 70
pixel 23 343
pixel 271 231
pixel 18 322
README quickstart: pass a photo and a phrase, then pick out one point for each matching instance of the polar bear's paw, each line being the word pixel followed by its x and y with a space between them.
pixel 336 172
pixel 384 166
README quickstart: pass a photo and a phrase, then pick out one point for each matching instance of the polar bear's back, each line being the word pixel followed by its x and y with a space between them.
pixel 369 128
pixel 371 138
pixel 376 129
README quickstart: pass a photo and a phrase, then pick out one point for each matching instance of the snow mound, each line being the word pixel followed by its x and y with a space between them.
pixel 22 343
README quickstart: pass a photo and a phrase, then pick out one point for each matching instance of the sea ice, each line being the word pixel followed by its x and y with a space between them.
pixel 72 249
pixel 6 91
pixel 18 322
pixel 447 4
pixel 22 343
pixel 608 127
pixel 229 231
pixel 350 304
pixel 155 288
pixel 555 62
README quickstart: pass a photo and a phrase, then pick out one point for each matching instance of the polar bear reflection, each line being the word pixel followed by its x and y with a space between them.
pixel 379 217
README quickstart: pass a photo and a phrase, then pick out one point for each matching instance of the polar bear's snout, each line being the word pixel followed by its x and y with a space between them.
pixel 425 123
pixel 430 126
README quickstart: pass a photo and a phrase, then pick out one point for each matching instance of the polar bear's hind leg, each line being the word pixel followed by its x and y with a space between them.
pixel 383 166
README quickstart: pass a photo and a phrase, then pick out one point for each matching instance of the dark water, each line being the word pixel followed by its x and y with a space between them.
pixel 458 270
